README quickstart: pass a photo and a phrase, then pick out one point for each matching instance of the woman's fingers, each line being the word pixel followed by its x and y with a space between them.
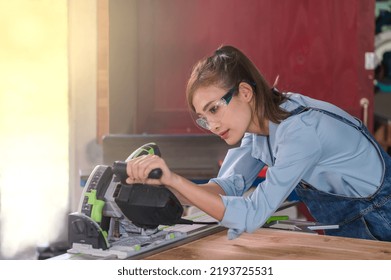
pixel 138 169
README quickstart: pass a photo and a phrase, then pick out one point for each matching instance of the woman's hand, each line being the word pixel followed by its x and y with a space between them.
pixel 139 168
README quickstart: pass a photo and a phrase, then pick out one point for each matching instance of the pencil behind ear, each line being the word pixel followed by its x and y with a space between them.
pixel 276 81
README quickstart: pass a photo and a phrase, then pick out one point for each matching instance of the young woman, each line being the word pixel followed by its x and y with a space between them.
pixel 330 159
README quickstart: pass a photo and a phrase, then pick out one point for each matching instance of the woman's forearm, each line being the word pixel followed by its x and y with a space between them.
pixel 205 197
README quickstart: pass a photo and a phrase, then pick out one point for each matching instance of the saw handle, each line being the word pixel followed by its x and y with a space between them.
pixel 119 169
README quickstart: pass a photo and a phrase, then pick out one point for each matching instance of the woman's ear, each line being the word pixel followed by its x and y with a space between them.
pixel 246 91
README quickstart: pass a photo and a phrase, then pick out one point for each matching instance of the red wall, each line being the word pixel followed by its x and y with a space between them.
pixel 316 47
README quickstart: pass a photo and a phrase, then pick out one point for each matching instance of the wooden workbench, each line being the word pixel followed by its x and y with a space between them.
pixel 271 244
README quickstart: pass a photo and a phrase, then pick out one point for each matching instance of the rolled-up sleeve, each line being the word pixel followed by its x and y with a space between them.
pixel 239 169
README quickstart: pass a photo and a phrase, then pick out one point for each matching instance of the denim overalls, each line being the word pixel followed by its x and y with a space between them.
pixel 367 218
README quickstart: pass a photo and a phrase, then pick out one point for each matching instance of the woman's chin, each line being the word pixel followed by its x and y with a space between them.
pixel 232 141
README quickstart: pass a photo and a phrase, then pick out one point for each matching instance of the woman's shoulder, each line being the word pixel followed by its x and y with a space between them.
pixel 295 99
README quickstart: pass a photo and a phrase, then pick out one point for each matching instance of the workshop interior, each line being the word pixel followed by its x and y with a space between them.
pixel 87 85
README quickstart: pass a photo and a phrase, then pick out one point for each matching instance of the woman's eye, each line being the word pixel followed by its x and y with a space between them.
pixel 214 109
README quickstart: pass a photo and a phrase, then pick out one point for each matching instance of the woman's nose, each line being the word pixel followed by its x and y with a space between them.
pixel 214 125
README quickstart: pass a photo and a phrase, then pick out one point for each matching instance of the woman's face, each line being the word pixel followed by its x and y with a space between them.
pixel 233 119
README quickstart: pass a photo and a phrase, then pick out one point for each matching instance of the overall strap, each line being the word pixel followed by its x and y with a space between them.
pixel 361 128
pixel 301 109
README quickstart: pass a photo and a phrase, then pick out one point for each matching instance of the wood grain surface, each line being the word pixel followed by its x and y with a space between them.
pixel 271 244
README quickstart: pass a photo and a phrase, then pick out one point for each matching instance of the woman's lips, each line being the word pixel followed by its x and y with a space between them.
pixel 224 134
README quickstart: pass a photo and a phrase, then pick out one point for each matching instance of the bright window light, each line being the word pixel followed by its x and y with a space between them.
pixel 34 190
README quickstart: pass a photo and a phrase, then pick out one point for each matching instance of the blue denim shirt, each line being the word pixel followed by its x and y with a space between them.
pixel 326 153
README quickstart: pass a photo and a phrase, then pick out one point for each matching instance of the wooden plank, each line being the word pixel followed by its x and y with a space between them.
pixel 270 244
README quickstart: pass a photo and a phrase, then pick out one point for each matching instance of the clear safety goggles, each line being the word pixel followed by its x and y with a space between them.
pixel 215 111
